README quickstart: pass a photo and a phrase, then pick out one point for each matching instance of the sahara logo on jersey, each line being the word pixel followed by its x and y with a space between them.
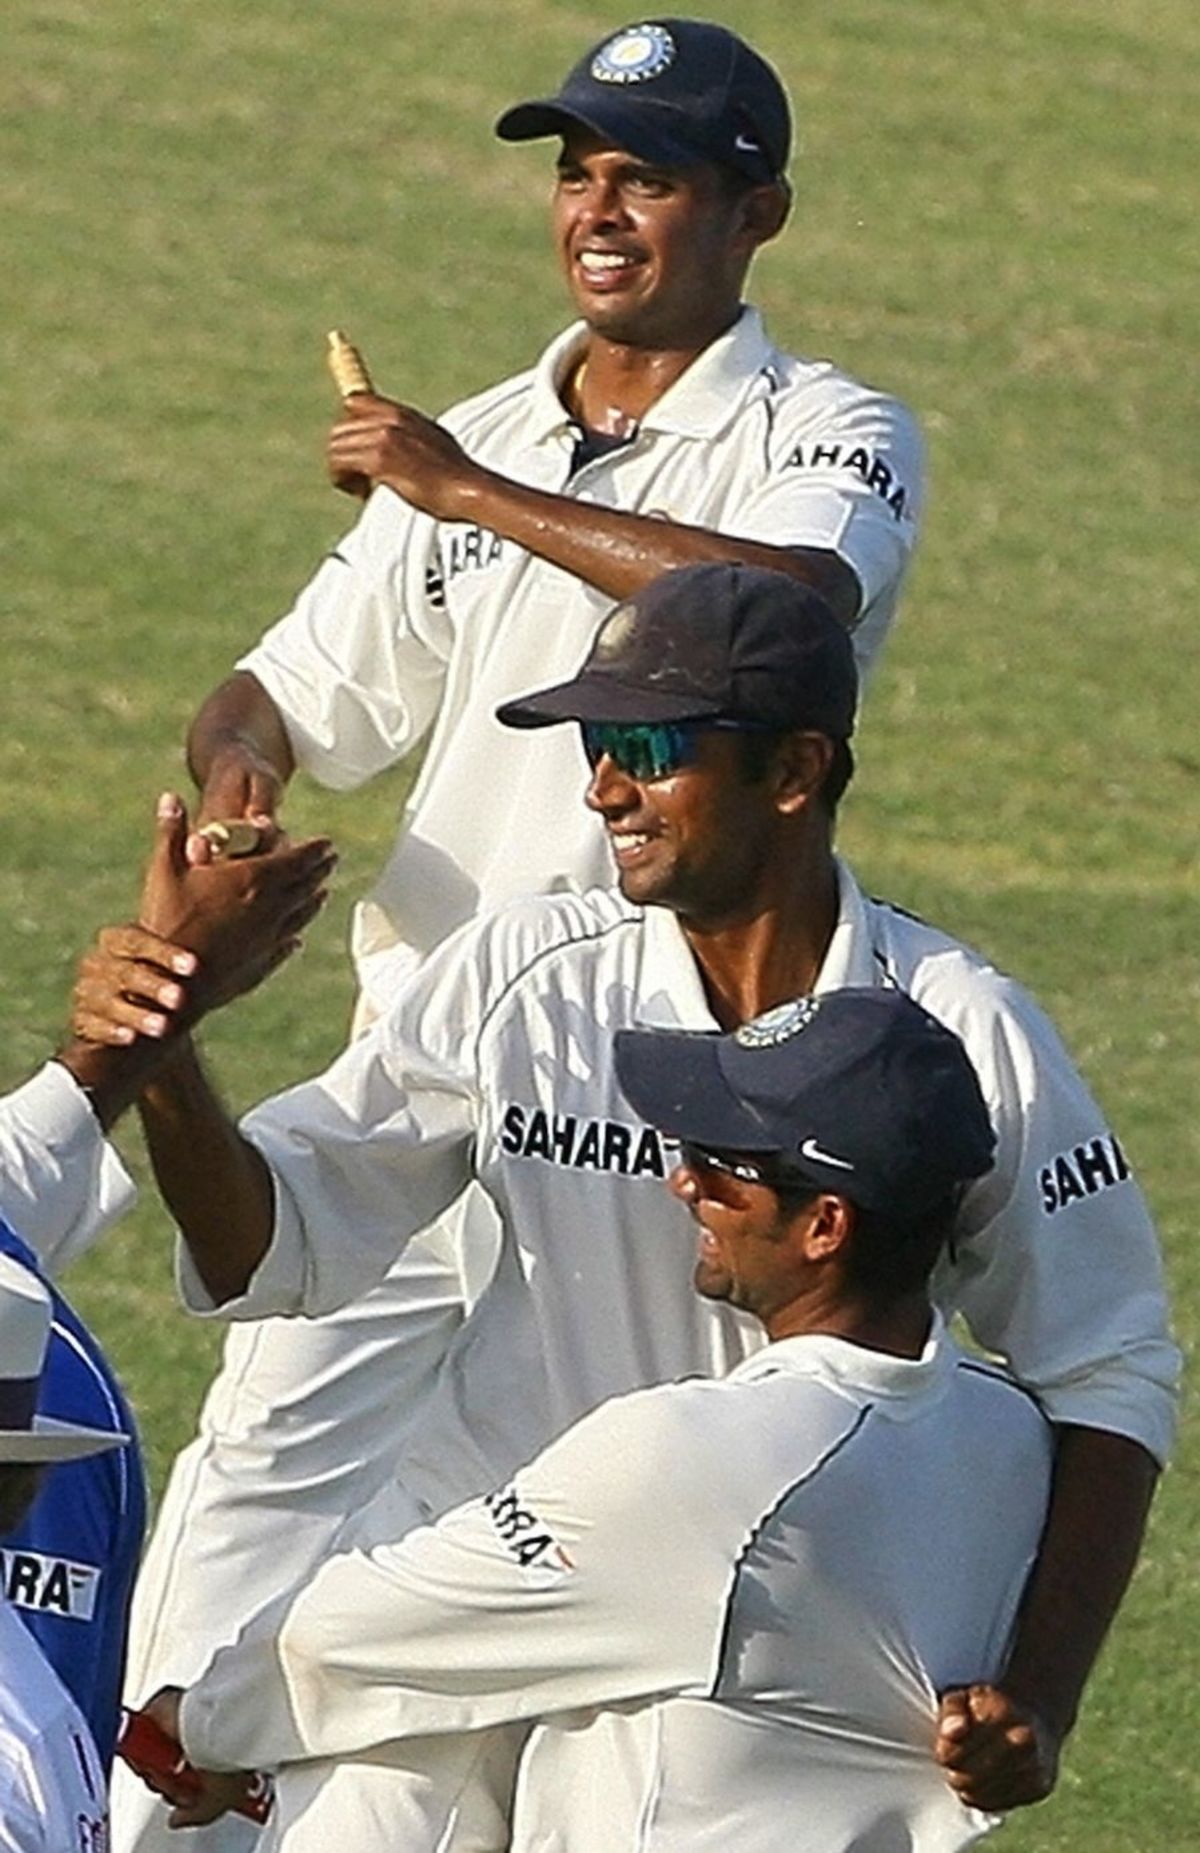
pixel 468 549
pixel 524 1535
pixel 584 1145
pixel 1081 1172
pixel 49 1585
pixel 877 474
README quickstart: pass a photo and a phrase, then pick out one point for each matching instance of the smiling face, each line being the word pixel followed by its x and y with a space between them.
pixel 654 257
pixel 750 1252
pixel 700 840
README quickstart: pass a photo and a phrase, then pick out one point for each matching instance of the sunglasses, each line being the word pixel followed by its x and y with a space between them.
pixel 650 751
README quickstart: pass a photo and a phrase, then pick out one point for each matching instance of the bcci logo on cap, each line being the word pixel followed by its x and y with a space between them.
pixel 615 632
pixel 778 1025
pixel 633 56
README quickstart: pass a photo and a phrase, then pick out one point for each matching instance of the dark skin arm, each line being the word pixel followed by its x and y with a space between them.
pixel 238 749
pixel 383 442
pixel 1000 1745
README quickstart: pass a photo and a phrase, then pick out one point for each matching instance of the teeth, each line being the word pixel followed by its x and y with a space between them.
pixel 603 260
pixel 629 839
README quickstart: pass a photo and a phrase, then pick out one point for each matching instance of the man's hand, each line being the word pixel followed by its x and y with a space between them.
pixel 241 917
pixel 379 441
pixel 996 1754
pixel 241 782
pixel 205 934
pixel 197 1796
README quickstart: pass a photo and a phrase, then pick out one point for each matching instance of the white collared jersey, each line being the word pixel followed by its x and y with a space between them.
pixel 53 1795
pixel 731 1604
pixel 413 624
pixel 496 1061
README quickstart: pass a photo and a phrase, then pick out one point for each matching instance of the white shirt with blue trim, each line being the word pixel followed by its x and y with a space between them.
pixel 731 1605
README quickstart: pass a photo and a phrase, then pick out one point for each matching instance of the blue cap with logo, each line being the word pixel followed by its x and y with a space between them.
pixel 858 1091
pixel 719 642
pixel 673 92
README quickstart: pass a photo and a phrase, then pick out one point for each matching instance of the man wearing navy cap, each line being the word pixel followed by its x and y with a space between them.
pixel 663 427
pixel 715 708
pixel 728 1605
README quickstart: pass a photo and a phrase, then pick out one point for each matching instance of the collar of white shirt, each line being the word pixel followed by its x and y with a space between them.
pixel 706 398
pixel 866 1373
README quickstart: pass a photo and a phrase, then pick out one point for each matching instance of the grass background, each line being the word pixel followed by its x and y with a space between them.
pixel 991 220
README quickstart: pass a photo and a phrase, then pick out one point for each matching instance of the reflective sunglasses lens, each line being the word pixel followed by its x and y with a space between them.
pixel 651 752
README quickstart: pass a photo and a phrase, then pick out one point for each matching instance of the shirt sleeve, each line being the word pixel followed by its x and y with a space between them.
pixel 373 1150
pixel 847 476
pixel 1056 1265
pixel 61 1182
pixel 357 666
pixel 528 1602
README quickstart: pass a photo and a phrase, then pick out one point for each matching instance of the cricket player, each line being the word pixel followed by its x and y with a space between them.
pixel 716 708
pixel 663 427
pixel 53 1792
pixel 728 1605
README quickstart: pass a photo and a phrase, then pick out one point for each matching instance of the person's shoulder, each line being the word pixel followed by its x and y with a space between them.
pixel 534 931
pixel 806 383
pixel 957 984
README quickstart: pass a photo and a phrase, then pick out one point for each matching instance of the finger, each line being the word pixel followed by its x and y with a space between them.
pixel 954 1720
pixel 171 832
pixel 144 947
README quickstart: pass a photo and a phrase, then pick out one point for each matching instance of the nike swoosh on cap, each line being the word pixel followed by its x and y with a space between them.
pixel 810 1149
pixel 747 145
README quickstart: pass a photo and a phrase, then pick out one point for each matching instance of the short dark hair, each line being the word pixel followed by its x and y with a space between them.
pixel 758 749
pixel 886 1258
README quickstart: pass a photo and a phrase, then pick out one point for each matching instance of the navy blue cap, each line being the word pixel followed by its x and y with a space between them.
pixel 860 1092
pixel 674 92
pixel 736 644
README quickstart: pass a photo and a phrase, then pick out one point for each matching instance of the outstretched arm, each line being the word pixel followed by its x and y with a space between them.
pixel 1000 1745
pixel 614 551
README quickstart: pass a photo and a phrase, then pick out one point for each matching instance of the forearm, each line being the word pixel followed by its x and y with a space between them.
pixel 215 1184
pixel 619 553
pixel 239 717
pixel 1103 1486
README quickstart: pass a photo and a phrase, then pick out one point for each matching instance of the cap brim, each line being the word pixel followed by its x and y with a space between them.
pixel 673 1079
pixel 49 1440
pixel 603 698
pixel 641 131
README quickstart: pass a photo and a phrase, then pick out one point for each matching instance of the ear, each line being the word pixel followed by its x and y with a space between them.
pixel 801 768
pixel 765 211
pixel 828 1227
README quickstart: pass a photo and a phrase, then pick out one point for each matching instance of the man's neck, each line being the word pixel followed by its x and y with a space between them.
pixel 767 957
pixel 614 384
pixel 900 1328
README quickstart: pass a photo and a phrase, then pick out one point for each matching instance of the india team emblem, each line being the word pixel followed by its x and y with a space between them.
pixel 778 1025
pixel 615 632
pixel 633 56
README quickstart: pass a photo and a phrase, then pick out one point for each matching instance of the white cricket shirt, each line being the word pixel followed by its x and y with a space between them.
pixel 53 1795
pixel 732 1604
pixel 61 1183
pixel 496 1061
pixel 413 624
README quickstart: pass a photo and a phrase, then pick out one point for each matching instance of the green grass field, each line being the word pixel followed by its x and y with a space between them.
pixel 990 220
